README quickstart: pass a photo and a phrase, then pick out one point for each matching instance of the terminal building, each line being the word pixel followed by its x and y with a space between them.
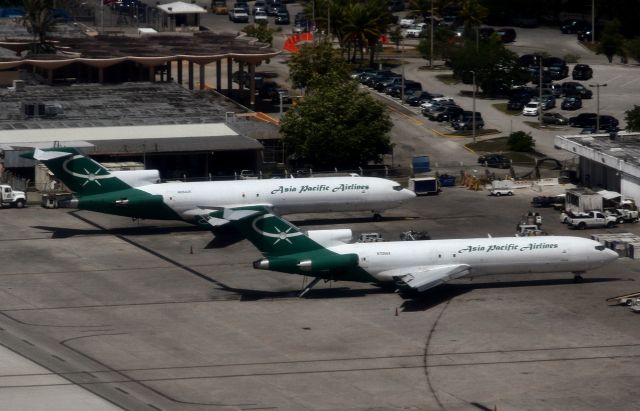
pixel 144 99
pixel 607 161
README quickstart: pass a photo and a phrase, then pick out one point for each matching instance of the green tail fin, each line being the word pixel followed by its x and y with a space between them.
pixel 269 233
pixel 81 174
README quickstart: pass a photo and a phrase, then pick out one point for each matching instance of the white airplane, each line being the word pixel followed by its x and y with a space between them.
pixel 138 194
pixel 414 265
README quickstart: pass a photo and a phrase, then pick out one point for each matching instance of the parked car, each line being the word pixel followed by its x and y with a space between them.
pixel 589 120
pixel 466 121
pixel 436 106
pixel 273 6
pixel 571 103
pixel 238 15
pixel 260 17
pixel 583 120
pixel 548 101
pixel 439 99
pixel 573 88
pixel 415 30
pixel 573 26
pixel 407 22
pixel 282 17
pixel 517 103
pixel 531 109
pixel 554 118
pixel 494 160
pixel 529 60
pixel 581 72
pixel 507 34
pixel 449 113
pixel 556 66
pixel 420 97
pixel 259 5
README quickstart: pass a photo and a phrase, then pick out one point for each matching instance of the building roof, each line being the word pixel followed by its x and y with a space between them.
pixel 126 117
pixel 621 152
pixel 149 50
pixel 180 7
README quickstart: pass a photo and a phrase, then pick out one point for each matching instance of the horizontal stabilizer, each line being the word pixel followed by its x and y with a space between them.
pixel 42 155
pixel 425 277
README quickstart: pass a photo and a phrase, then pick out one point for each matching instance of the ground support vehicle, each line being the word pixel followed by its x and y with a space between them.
pixel 623 215
pixel 590 219
pixel 424 185
pixel 11 198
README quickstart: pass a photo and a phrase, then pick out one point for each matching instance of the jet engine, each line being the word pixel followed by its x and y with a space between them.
pixel 309 262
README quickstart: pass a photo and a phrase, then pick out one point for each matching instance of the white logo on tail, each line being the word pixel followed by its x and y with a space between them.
pixel 88 176
pixel 280 235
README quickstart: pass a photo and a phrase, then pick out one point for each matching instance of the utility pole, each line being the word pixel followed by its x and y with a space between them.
pixel 431 38
pixel 597 87
pixel 473 109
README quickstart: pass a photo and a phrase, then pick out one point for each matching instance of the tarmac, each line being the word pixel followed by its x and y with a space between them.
pixel 100 312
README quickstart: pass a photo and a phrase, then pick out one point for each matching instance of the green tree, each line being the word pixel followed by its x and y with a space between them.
pixel 441 45
pixel 633 48
pixel 472 14
pixel 521 142
pixel 316 60
pixel 337 125
pixel 38 21
pixel 495 66
pixel 632 117
pixel 612 42
pixel 261 31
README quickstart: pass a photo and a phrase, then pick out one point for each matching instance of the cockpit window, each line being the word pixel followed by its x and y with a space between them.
pixel 397 188
pixel 600 247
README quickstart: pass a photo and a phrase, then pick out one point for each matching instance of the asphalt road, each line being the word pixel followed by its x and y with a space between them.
pixel 150 315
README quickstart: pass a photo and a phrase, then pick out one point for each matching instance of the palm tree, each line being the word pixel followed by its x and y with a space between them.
pixel 38 21
pixel 473 14
pixel 364 23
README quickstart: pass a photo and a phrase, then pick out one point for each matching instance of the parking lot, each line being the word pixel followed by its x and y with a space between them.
pixel 148 314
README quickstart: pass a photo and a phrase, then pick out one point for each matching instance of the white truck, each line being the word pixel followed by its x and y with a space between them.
pixel 12 198
pixel 501 188
pixel 590 219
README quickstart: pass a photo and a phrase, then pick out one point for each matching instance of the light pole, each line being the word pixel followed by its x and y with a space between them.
pixel 281 95
pixel 473 109
pixel 593 21
pixel 431 37
pixel 540 90
pixel 402 78
pixel 597 86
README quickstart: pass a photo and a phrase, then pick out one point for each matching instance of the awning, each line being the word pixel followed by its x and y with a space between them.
pixel 609 195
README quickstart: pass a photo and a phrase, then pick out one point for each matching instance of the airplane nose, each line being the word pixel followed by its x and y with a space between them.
pixel 409 194
pixel 610 255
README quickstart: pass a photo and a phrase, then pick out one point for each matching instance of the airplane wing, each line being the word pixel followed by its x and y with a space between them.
pixel 422 278
pixel 217 216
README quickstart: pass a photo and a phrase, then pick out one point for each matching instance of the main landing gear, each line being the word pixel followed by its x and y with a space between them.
pixel 377 216
pixel 577 277
pixel 309 287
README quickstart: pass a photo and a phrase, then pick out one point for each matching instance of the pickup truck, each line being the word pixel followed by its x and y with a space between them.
pixel 238 15
pixel 590 219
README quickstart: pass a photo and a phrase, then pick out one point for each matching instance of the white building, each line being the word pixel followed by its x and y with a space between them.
pixel 607 161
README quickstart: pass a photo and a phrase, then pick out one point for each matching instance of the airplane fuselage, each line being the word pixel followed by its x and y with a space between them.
pixel 512 255
pixel 187 200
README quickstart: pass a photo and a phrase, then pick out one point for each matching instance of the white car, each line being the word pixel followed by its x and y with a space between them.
pixel 407 22
pixel 429 103
pixel 260 16
pixel 531 109
pixel 415 30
